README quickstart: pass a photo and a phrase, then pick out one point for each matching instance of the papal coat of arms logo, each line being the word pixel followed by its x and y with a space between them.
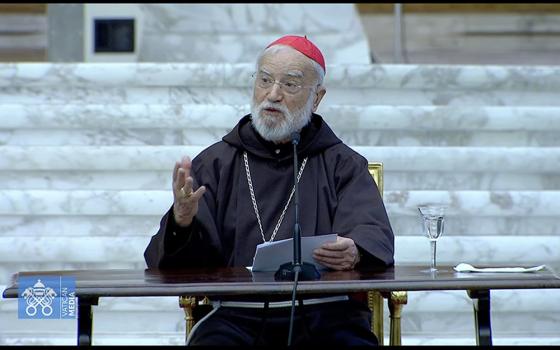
pixel 39 298
pixel 47 297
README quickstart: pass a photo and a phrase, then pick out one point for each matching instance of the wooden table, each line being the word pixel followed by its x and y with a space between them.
pixel 93 284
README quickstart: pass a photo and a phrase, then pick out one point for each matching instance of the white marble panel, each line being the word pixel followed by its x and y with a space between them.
pixel 443 159
pixel 345 48
pixel 248 18
pixel 237 32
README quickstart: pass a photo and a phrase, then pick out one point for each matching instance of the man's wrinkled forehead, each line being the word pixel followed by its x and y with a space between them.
pixel 289 73
pixel 286 62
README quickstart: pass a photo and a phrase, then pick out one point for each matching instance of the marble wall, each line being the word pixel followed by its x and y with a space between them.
pixel 237 32
pixel 208 33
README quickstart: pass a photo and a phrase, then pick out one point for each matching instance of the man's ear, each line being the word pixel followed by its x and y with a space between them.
pixel 318 97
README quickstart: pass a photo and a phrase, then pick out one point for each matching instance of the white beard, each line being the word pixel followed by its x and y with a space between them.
pixel 279 129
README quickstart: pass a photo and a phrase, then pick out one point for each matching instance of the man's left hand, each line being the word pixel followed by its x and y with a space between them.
pixel 340 255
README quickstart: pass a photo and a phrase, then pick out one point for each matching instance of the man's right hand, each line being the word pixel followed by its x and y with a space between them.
pixel 185 201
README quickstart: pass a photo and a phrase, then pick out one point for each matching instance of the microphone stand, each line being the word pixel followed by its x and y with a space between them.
pixel 296 270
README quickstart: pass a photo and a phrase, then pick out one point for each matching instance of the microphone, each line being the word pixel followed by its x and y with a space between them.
pixel 305 271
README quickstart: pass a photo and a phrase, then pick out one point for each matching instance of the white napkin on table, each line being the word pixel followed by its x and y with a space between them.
pixel 463 267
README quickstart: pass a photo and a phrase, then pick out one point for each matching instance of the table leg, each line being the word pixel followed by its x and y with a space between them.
pixel 85 320
pixel 481 305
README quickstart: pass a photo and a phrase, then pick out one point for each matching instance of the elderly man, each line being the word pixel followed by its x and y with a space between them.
pixel 234 195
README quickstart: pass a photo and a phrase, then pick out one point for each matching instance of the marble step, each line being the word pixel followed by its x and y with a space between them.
pixel 436 302
pixel 356 137
pixel 225 116
pixel 32 253
pixel 128 316
pixel 152 124
pixel 230 83
pixel 141 203
pixel 140 338
pixel 390 76
pixel 139 158
pixel 500 340
pixel 177 338
pixel 240 95
pixel 161 179
pixel 26 226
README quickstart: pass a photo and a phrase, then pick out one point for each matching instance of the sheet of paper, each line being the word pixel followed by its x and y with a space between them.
pixel 269 256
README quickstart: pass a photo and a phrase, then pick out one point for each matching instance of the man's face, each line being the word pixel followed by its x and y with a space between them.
pixel 276 110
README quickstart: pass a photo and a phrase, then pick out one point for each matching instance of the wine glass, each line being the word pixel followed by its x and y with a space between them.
pixel 432 222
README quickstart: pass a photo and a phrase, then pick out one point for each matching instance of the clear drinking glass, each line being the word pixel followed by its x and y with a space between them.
pixel 432 222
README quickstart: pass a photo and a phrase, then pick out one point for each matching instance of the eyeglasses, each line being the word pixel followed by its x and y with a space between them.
pixel 290 85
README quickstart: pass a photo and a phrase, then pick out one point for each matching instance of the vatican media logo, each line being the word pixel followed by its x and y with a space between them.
pixel 47 297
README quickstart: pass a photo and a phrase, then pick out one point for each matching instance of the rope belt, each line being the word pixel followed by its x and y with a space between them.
pixel 275 304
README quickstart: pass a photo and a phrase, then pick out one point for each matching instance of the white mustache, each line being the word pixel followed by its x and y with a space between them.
pixel 280 107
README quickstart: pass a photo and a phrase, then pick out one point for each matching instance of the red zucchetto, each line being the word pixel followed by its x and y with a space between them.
pixel 303 45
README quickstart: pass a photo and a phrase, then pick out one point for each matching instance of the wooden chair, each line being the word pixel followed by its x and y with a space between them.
pixel 195 308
